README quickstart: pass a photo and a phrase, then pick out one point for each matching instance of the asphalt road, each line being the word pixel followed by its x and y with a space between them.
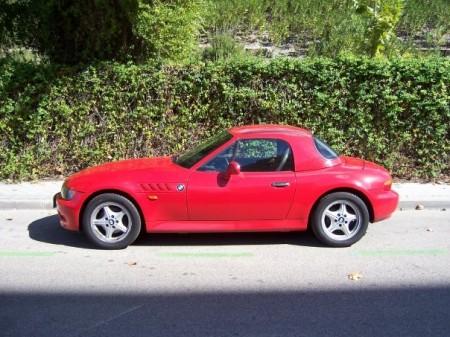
pixel 53 283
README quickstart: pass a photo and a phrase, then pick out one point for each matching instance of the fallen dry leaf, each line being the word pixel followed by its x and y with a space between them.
pixel 355 276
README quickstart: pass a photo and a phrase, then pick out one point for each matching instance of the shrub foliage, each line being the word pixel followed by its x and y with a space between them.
pixel 84 31
pixel 56 120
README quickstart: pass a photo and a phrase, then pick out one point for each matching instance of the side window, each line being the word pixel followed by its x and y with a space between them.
pixel 264 155
pixel 220 162
pixel 254 155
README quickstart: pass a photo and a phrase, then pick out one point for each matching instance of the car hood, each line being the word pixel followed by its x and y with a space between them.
pixel 144 169
pixel 130 164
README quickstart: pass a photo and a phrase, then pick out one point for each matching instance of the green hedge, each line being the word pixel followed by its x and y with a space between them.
pixel 56 120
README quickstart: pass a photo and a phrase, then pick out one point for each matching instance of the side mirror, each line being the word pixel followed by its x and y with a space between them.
pixel 233 169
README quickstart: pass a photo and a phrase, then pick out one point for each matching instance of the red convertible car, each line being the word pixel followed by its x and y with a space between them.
pixel 249 178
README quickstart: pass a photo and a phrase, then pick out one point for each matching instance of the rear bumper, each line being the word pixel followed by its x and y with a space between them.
pixel 68 211
pixel 384 204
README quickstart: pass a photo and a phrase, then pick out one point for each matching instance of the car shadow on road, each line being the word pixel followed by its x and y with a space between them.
pixel 48 230
pixel 225 239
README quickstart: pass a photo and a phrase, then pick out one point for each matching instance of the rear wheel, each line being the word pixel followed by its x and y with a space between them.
pixel 111 221
pixel 340 219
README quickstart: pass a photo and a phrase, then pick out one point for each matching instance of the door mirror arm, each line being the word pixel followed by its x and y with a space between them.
pixel 233 169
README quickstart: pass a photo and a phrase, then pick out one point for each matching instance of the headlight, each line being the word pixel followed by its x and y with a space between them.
pixel 67 193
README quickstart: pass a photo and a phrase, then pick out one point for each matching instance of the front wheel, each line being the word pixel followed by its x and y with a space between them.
pixel 111 221
pixel 340 219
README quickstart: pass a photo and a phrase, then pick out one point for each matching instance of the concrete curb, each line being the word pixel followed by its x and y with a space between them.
pixel 441 205
pixel 48 204
pixel 26 205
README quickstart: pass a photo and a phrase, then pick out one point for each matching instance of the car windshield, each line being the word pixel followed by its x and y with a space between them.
pixel 193 156
pixel 324 149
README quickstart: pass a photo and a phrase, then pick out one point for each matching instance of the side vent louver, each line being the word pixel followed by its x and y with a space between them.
pixel 156 187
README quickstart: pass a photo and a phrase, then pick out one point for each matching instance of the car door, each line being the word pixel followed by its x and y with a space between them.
pixel 263 190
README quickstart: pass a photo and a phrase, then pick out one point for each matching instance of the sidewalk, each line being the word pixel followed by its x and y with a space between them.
pixel 39 195
pixel 32 195
pixel 428 195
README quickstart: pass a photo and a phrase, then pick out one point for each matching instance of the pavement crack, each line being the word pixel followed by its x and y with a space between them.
pixel 106 321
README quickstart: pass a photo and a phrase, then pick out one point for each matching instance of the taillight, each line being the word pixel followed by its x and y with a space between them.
pixel 388 184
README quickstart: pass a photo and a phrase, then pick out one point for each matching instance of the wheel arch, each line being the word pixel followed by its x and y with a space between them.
pixel 115 191
pixel 354 191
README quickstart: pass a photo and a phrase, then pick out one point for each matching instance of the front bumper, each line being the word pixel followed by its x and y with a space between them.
pixel 68 211
pixel 384 204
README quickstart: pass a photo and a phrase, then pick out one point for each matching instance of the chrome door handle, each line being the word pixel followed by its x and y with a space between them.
pixel 280 184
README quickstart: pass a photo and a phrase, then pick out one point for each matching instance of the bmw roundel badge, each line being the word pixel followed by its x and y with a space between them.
pixel 180 187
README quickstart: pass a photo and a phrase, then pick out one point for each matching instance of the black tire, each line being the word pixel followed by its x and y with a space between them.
pixel 116 202
pixel 336 199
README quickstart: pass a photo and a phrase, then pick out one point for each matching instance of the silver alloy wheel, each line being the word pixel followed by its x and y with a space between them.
pixel 341 220
pixel 110 222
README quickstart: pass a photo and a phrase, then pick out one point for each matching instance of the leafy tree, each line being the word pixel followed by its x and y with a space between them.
pixel 382 17
pixel 168 29
pixel 81 31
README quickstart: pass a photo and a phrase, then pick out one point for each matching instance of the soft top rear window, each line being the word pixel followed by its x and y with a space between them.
pixel 324 149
